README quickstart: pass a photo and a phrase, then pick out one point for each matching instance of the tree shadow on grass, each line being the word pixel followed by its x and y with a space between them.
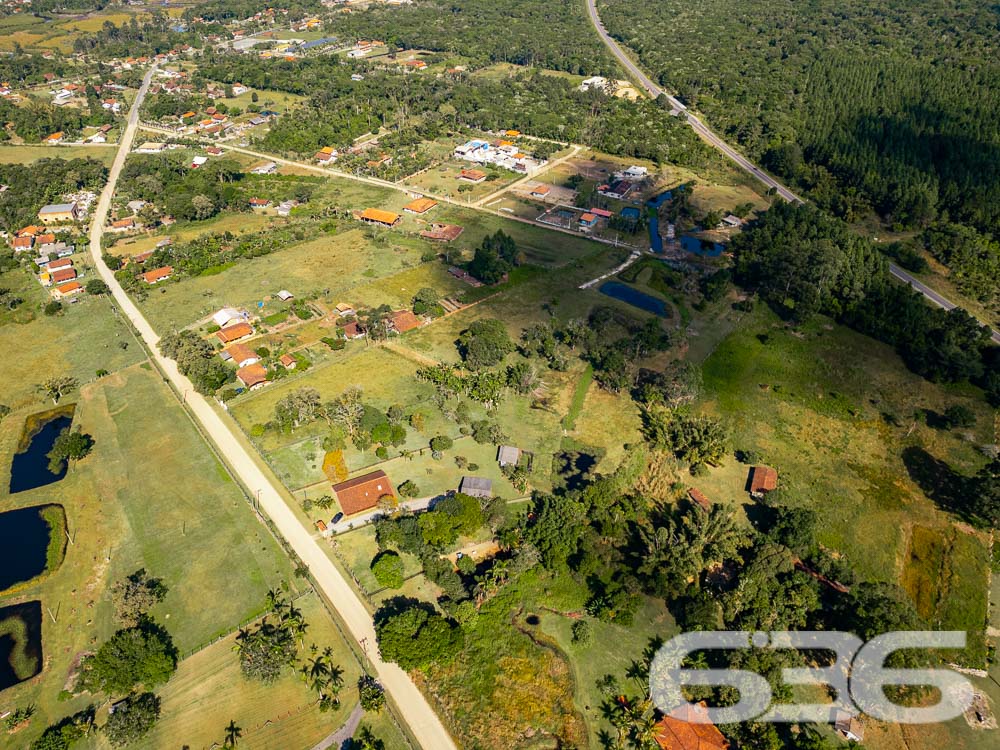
pixel 942 484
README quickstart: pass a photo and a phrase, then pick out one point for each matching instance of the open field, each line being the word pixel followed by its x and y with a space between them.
pixel 125 510
pixel 27 154
pixel 840 429
pixel 85 337
pixel 208 691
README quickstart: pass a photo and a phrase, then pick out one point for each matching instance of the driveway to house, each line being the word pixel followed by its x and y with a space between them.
pixel 741 161
pixel 412 706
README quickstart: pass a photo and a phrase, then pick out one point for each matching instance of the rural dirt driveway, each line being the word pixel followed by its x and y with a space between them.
pixel 412 707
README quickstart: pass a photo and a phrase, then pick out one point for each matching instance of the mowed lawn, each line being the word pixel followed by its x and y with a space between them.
pixel 26 154
pixel 150 495
pixel 836 413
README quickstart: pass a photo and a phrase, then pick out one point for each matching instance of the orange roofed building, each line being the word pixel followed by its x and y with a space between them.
pixel 378 216
pixel 234 332
pixel 420 205
pixel 685 734
pixel 362 493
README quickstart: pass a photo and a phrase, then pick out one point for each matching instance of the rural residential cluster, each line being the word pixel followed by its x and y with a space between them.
pixel 410 374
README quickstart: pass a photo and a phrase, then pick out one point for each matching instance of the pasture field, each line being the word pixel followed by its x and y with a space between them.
pixel 150 495
pixel 26 154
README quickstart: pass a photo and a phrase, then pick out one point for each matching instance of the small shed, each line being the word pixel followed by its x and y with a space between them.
pixel 476 487
pixel 508 455
pixel 849 726
pixel 763 479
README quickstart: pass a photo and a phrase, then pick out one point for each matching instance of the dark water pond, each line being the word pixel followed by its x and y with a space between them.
pixel 701 247
pixel 20 643
pixel 30 468
pixel 634 297
pixel 24 541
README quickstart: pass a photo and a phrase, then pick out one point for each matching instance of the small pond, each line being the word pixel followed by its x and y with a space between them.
pixel 634 297
pixel 24 544
pixel 30 467
pixel 20 643
pixel 701 247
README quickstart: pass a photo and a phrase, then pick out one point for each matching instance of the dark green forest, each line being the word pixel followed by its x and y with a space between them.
pixel 339 109
pixel 891 106
pixel 552 35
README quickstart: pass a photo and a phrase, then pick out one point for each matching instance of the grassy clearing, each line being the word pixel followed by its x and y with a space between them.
pixel 84 338
pixel 26 154
pixel 834 413
pixel 149 495
pixel 208 691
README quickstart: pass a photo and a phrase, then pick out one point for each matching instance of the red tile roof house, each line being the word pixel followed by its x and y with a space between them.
pixel 234 333
pixel 692 732
pixel 288 361
pixel 363 493
pixel 20 244
pixel 67 289
pixel 252 376
pixel 259 203
pixel 63 275
pixel 404 321
pixel 763 479
pixel 241 355
pixel 55 265
pixel 158 274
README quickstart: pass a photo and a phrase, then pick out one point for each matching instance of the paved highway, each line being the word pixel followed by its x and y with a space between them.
pixel 745 164
pixel 413 707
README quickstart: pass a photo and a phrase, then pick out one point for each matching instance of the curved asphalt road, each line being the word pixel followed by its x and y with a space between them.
pixel 413 707
pixel 741 161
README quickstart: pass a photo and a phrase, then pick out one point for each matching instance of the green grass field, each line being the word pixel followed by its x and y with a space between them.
pixel 834 413
pixel 149 495
pixel 84 338
pixel 26 154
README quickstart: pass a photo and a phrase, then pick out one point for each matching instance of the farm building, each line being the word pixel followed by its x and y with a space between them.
pixel 378 216
pixel 420 206
pixel 763 479
pixel 55 213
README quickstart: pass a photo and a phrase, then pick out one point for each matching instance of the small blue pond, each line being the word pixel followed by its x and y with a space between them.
pixel 634 297
pixel 24 541
pixel 29 651
pixel 630 212
pixel 30 469
pixel 701 247
pixel 655 241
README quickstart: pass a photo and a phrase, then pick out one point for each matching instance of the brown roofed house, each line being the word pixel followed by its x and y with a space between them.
pixel 252 376
pixel 442 232
pixel 63 275
pixel 472 175
pixel 242 355
pixel 420 205
pixel 404 321
pixel 23 243
pixel 763 479
pixel 288 361
pixel 234 332
pixel 690 732
pixel 362 493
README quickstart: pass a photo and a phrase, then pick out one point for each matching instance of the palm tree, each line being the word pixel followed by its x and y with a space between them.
pixel 233 734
